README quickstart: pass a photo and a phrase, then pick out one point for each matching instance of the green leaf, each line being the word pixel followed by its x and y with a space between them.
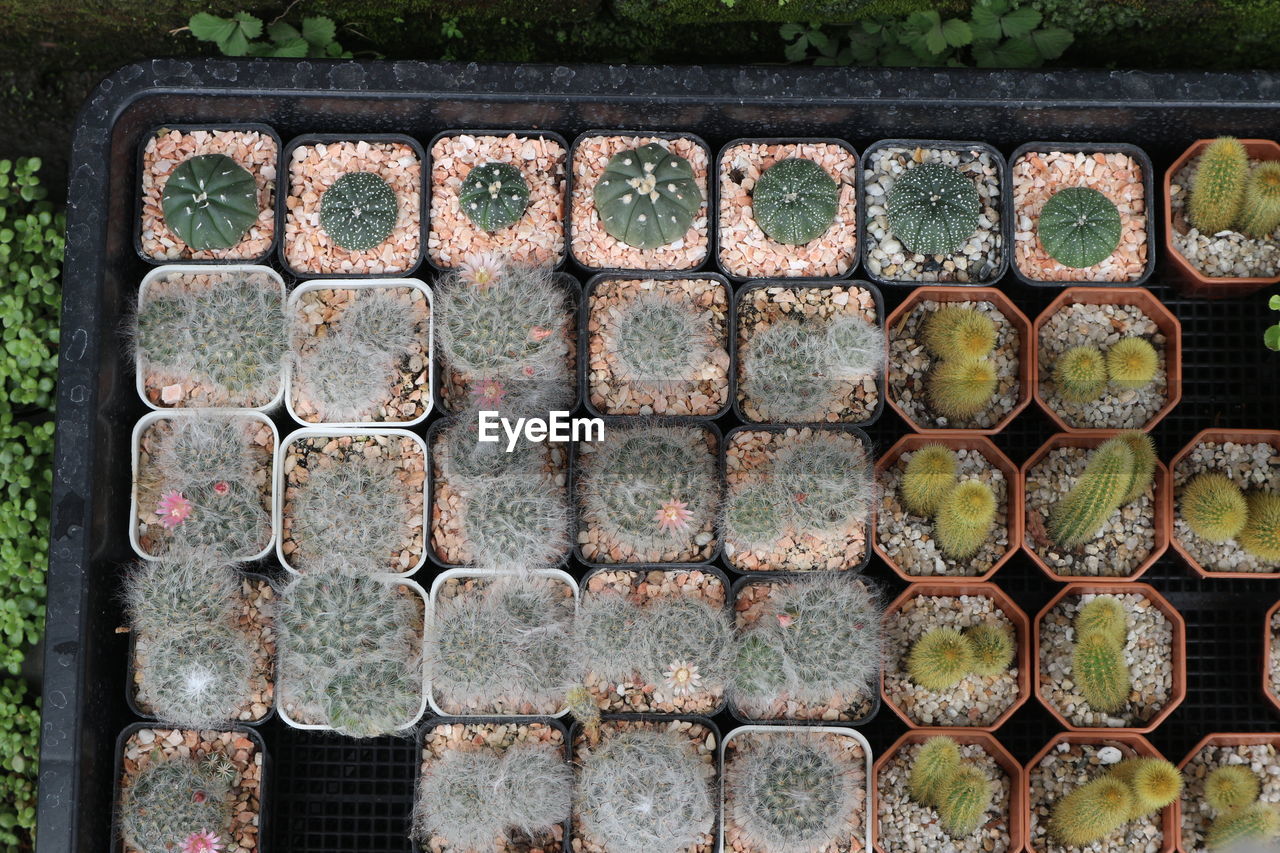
pixel 280 32
pixel 957 32
pixel 1052 41
pixel 1020 22
pixel 235 44
pixel 935 41
pixel 249 25
pixel 795 52
pixel 1013 53
pixel 790 31
pixel 206 27
pixel 1272 338
pixel 1274 302
pixel 923 21
pixel 294 48
pixel 820 40
pixel 319 31
pixel 985 23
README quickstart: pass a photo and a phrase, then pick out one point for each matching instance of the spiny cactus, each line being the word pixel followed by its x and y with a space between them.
pixel 1154 783
pixel 1132 363
pixel 351 509
pixel 1090 812
pixel 1099 670
pixel 936 762
pixel 647 196
pixel 379 319
pixel 604 636
pixel 791 793
pixel 1260 213
pixel 656 338
pixel 494 196
pixel 961 388
pixel 1230 787
pixel 993 648
pixel 172 800
pixel 963 800
pixel 516 520
pixel 795 201
pixel 1104 616
pixel 953 332
pixel 1259 822
pixel 470 464
pixel 855 349
pixel 753 516
pixel 373 697
pixel 1079 227
pixel 1098 491
pixel 581 704
pixel 1080 374
pixel 474 800
pixel 644 791
pixel 1214 507
pixel 1261 534
pixel 940 659
pixel 828 479
pixel 1144 463
pixel 210 201
pixel 929 476
pixel 965 519
pixel 1218 186
pixel 933 209
pixel 358 211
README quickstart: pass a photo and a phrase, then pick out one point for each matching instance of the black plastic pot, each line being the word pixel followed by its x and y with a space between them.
pixel 1002 174
pixel 276 197
pixel 710 200
pixel 1151 200
pixel 826 284
pixel 282 191
pixel 857 199
pixel 429 165
pixel 584 339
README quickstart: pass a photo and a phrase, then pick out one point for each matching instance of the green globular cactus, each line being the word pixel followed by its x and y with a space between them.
pixel 1104 616
pixel 795 201
pixel 1079 227
pixel 1153 782
pixel 1144 463
pixel 516 520
pixel 1261 533
pixel 940 659
pixel 993 648
pixel 929 476
pixel 961 388
pixel 1080 374
pixel 210 201
pixel 1091 812
pixel 1260 215
pixel 1258 822
pixel 353 509
pixel 1214 507
pixel 933 209
pixel 952 332
pixel 754 515
pixel 1100 673
pixel 1100 489
pixel 372 698
pixel 1231 787
pixel 963 800
pixel 1218 186
pixel 655 338
pixel 494 196
pixel 965 519
pixel 1132 363
pixel 359 211
pixel 647 196
pixel 829 480
pixel 937 761
pixel 172 800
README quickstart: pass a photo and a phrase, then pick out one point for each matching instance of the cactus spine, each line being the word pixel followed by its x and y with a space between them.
pixel 930 474
pixel 1261 213
pixel 1218 186
pixel 1097 493
pixel 1256 822
pixel 1104 616
pixel 1132 363
pixel 1080 374
pixel 1100 672
pixel 940 659
pixel 170 801
pixel 965 518
pixel 1213 507
pixel 1231 787
pixel 952 332
pixel 963 801
pixel 961 388
pixel 936 762
pixel 1261 534
pixel 993 648
pixel 1144 464
pixel 1090 812
pixel 1154 782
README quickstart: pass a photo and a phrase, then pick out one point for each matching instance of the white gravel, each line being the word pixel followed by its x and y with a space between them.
pixel 1252 467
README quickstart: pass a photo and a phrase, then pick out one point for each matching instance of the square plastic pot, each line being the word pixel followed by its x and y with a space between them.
pixel 1017 816
pixel 1015 317
pixel 1146 302
pixel 1014 512
pixel 1216 436
pixel 1268 688
pixel 1132 151
pixel 1192 282
pixel 1161 522
pixel 1213 740
pixel 1022 642
pixel 1178 653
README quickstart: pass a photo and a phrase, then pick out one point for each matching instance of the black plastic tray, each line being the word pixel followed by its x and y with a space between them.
pixel 334 795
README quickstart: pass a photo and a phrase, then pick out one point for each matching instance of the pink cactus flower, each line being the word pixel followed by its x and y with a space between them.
pixel 785 620
pixel 674 516
pixel 201 842
pixel 173 509
pixel 539 333
pixel 481 270
pixel 488 393
pixel 221 488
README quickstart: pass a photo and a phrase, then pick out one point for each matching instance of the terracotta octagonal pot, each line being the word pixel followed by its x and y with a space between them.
pixel 1022 639
pixel 1031 526
pixel 1178 691
pixel 1225 739
pixel 965 737
pixel 1149 305
pixel 956 440
pixel 1267 687
pixel 1026 354
pixel 1217 436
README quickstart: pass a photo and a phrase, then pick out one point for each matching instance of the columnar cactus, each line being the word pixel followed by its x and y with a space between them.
pixel 952 332
pixel 1261 534
pixel 1230 787
pixel 358 211
pixel 1218 186
pixel 656 339
pixel 1107 478
pixel 961 388
pixel 1092 811
pixel 1259 822
pixel 1260 214
pixel 935 763
pixel 940 659
pixel 795 201
pixel 647 196
pixel 1214 507
pixel 1099 670
pixel 1143 448
pixel 494 196
pixel 930 475
pixel 1132 363
pixel 1080 374
pixel 963 800
pixel 1105 616
pixel 933 209
pixel 1079 227
pixel 210 201
pixel 172 801
pixel 965 519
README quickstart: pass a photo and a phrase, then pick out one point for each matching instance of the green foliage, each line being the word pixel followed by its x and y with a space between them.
pixel 1214 507
pixel 647 196
pixel 993 648
pixel 1079 227
pixel 1090 812
pixel 1261 533
pixel 795 201
pixel 965 518
pixel 1098 491
pixel 1271 337
pixel 1256 822
pixel 359 211
pixel 19 764
pixel 1217 187
pixel 952 332
pixel 171 800
pixel 961 388
pixel 963 801
pixel 1104 616
pixel 1100 673
pixel 1261 212
pixel 933 209
pixel 940 659
pixel 930 474
pixel 1080 374
pixel 494 196
pixel 240 35
pixel 210 201
pixel 1132 363
pixel 1230 787
pixel 26 452
pixel 936 762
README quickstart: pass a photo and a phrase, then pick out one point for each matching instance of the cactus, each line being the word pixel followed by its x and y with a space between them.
pixel 1132 363
pixel 829 480
pixel 965 519
pixel 171 800
pixel 380 319
pixel 933 209
pixel 685 632
pixel 940 659
pixel 855 349
pixel 1258 822
pixel 582 705
pixel 469 464
pixel 754 516
pixel 1260 213
pixel 1218 186
pixel 373 697
pixel 516 520
pixel 358 211
pixel 1213 507
pixel 792 793
pixel 644 791
pixel 655 338
pixel 1230 787
pixel 1091 812
pixel 209 202
pixel 1079 227
pixel 935 763
pixel 963 800
pixel 1261 533
pixel 647 196
pixel 1144 463
pixel 351 509
pixel 1104 616
pixel 929 476
pixel 494 196
pixel 1080 374
pixel 952 332
pixel 1100 673
pixel 1153 782
pixel 605 637
pixel 795 201
pixel 993 649
pixel 961 388
pixel 1097 493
